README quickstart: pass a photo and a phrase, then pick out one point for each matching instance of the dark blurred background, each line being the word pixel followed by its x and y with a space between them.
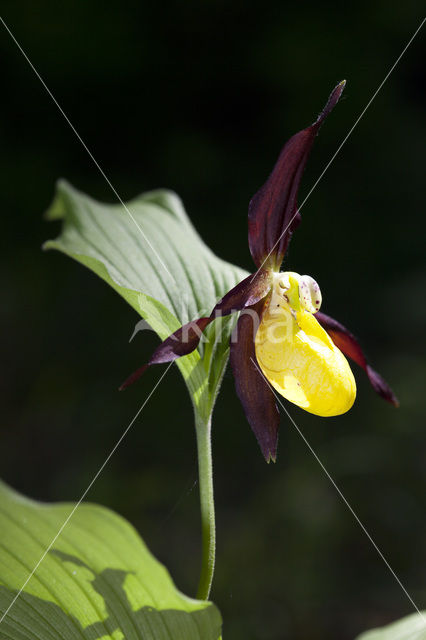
pixel 199 97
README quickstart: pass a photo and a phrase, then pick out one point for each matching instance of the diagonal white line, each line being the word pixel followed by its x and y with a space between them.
pixel 108 181
pixel 96 476
pixel 340 493
pixel 348 134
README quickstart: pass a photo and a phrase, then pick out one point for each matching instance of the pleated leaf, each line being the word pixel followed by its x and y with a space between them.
pixel 97 582
pixel 150 253
pixel 412 627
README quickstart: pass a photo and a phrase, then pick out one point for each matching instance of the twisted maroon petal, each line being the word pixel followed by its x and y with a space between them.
pixel 178 344
pixel 186 339
pixel 273 214
pixel 349 345
pixel 248 292
pixel 254 393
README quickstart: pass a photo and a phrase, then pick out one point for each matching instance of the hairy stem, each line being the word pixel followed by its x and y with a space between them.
pixel 208 526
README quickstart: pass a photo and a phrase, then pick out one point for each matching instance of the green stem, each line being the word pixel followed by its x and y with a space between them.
pixel 208 527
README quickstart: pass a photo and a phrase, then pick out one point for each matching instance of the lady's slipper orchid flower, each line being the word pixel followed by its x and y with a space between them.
pixel 281 340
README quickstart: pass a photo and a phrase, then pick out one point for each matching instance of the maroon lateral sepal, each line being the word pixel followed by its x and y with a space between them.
pixel 254 393
pixel 187 338
pixel 349 345
pixel 273 214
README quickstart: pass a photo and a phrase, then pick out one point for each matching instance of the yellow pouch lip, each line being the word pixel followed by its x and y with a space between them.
pixel 302 363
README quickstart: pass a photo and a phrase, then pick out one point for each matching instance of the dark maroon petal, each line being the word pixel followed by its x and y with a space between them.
pixel 273 214
pixel 343 338
pixel 186 339
pixel 180 343
pixel 349 345
pixel 255 394
pixel 381 387
pixel 133 377
pixel 248 292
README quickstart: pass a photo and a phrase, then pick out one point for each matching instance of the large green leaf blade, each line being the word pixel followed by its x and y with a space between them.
pixel 98 581
pixel 150 253
pixel 412 627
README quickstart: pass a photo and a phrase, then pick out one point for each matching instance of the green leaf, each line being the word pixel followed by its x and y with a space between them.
pixel 152 255
pixel 412 627
pixel 97 582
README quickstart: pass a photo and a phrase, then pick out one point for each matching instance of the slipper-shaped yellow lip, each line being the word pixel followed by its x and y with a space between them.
pixel 302 363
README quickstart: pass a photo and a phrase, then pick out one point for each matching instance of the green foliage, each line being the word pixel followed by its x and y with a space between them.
pixel 97 582
pixel 412 627
pixel 153 257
